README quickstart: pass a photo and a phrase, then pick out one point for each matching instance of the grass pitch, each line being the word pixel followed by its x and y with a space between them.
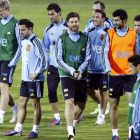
pixel 35 10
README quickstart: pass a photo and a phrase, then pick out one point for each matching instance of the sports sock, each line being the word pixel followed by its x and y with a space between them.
pixel 14 108
pixel 70 130
pixel 18 127
pixel 2 114
pixel 35 128
pixel 99 107
pixel 115 132
pixel 103 116
pixel 129 132
pixel 74 123
pixel 57 116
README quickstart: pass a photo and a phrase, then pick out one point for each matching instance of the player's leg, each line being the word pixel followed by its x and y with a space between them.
pixel 129 81
pixel 23 99
pixel 52 82
pixel 35 93
pixel 14 107
pixel 92 87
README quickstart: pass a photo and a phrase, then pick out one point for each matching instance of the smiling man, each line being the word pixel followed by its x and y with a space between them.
pixel 73 55
pixel 97 78
pixel 118 45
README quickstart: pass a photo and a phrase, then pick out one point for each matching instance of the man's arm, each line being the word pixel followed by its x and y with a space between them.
pixel 17 56
pixel 59 58
pixel 104 55
pixel 136 112
pixel 87 61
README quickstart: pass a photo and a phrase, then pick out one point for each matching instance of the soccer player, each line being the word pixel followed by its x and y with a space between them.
pixel 73 56
pixel 118 45
pixel 134 105
pixel 97 78
pixel 10 40
pixel 90 25
pixel 34 62
pixel 131 106
pixel 52 32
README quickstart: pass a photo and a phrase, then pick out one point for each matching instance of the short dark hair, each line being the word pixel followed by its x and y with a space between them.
pixel 121 13
pixel 102 13
pixel 137 18
pixel 101 4
pixel 135 59
pixel 26 22
pixel 71 15
pixel 54 6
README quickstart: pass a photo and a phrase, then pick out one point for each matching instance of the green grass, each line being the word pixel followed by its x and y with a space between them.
pixel 35 10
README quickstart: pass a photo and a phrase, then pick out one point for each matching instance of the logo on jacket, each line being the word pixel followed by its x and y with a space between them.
pixel 75 58
pixel 102 37
pixel 28 48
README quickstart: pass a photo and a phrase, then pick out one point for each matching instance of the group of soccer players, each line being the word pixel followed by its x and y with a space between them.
pixel 103 47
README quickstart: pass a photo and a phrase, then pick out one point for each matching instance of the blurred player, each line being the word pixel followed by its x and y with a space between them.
pixel 90 25
pixel 115 62
pixel 10 40
pixel 34 63
pixel 134 105
pixel 73 55
pixel 97 78
pixel 52 32
pixel 130 110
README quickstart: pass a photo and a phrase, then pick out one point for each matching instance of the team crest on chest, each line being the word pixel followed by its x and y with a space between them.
pixel 64 30
pixel 28 48
pixel 102 36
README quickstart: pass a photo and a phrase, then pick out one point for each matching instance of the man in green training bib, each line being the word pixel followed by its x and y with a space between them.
pixel 134 104
pixel 73 56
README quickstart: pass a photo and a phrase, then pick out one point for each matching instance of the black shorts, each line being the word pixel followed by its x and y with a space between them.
pixel 135 136
pixel 32 89
pixel 72 88
pixel 120 84
pixel 53 80
pixel 97 81
pixel 6 73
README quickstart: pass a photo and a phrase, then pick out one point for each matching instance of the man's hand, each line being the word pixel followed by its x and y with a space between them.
pixel 77 74
pixel 109 73
pixel 32 76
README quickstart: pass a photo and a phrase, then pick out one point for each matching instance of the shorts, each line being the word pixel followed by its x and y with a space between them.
pixel 72 88
pixel 6 73
pixel 53 80
pixel 97 81
pixel 120 84
pixel 32 89
pixel 135 136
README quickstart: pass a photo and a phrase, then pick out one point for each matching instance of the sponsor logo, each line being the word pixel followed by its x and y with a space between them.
pixel 25 59
pixel 132 105
pixel 104 82
pixel 66 94
pixel 135 91
pixel 28 48
pixel 48 72
pixel 8 33
pixel 32 94
pixel 31 90
pixel 66 90
pixel 88 85
pixel 96 48
pixel 4 74
pixel 123 54
pixel 110 94
pixel 129 44
pixel 104 86
pixel 75 58
pixel 64 30
pixel 83 49
pixel 88 80
pixel 102 37
pixel 3 41
pixel 111 89
pixel 4 79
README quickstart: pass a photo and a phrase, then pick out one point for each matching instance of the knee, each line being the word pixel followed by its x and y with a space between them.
pixel 114 106
pixel 36 104
pixel 69 103
pixel 82 106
